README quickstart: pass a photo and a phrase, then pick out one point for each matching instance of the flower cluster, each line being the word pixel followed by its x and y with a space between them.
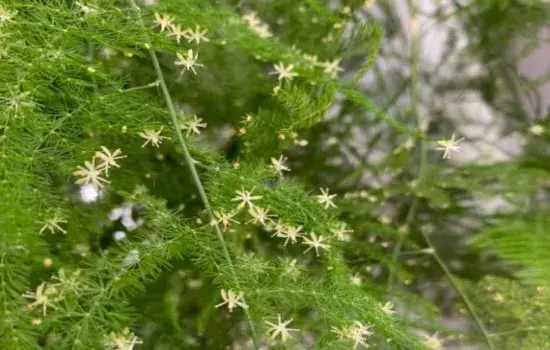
pixel 331 68
pixel 194 35
pixel 257 25
pixel 357 333
pixel 261 216
pixel 92 173
pixel 236 299
pixel 125 340
pixel 6 15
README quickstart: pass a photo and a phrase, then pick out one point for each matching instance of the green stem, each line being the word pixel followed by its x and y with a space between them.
pixel 413 66
pixel 423 127
pixel 461 293
pixel 196 179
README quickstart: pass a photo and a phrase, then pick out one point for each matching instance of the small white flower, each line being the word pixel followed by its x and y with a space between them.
pixel 387 308
pixel 279 165
pixel 163 21
pixel 109 158
pixel 284 72
pixel 188 61
pixel 196 35
pixel 332 68
pixel 232 300
pixel 355 279
pixel 90 174
pixel 291 269
pixel 262 30
pixel 280 329
pixel 312 59
pixel 246 198
pixel 192 125
pixel 259 215
pixel 44 295
pixel 86 10
pixel 291 233
pixel 315 243
pixel 356 333
pixel 125 340
pixel 132 258
pixel 341 233
pixel 177 32
pixel 6 15
pixel 53 225
pixel 257 26
pixel 325 198
pixel 536 129
pixel 224 218
pixel 448 146
pixel 252 19
pixel 432 342
pixel 152 136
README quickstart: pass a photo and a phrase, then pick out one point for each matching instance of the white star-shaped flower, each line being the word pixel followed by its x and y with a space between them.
pixel 312 59
pixel 196 35
pixel 291 269
pixel 332 68
pixel 126 340
pixel 356 333
pixel 355 279
pixel 280 329
pixel 86 10
pixel 90 174
pixel 177 32
pixel 536 129
pixel 387 308
pixel 262 30
pixel 448 146
pixel 188 61
pixel 259 215
pixel 44 295
pixel 279 165
pixel 246 198
pixel 232 300
pixel 325 198
pixel 341 233
pixel 252 19
pixel 315 243
pixel 192 125
pixel 163 21
pixel 152 136
pixel 291 233
pixel 432 341
pixel 224 218
pixel 109 158
pixel 6 15
pixel 284 72
pixel 53 225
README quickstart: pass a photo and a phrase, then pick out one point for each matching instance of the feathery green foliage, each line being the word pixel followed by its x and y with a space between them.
pixel 145 194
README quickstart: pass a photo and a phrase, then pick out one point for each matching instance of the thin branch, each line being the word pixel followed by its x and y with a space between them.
pixel 193 170
pixel 423 127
